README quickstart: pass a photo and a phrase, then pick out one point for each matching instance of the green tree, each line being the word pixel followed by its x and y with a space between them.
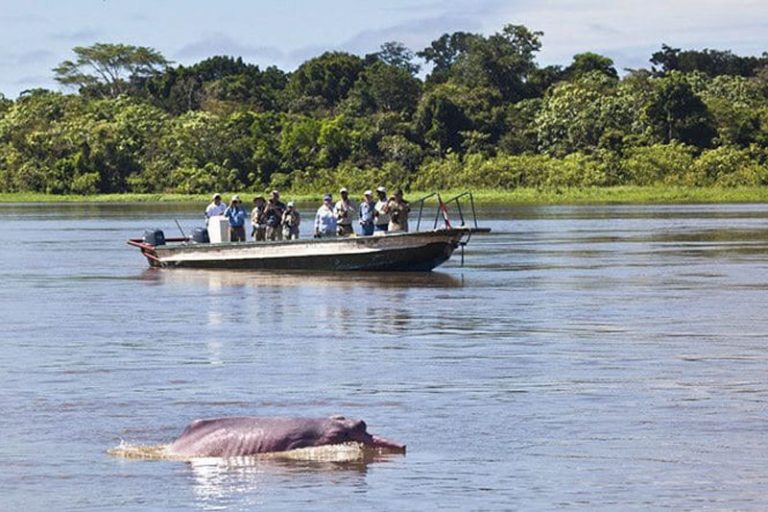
pixel 299 145
pixel 519 132
pixel 220 82
pixel 327 78
pixel 384 88
pixel 735 103
pixel 453 117
pixel 443 53
pixel 398 55
pixel 677 113
pixel 575 116
pixel 711 62
pixel 588 62
pixel 503 61
pixel 107 69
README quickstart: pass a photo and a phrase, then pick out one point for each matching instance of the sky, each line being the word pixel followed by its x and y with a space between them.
pixel 37 35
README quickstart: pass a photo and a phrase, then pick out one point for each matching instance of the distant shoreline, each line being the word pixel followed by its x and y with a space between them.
pixel 520 196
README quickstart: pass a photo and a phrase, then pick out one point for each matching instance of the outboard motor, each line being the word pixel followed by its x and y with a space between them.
pixel 200 236
pixel 154 237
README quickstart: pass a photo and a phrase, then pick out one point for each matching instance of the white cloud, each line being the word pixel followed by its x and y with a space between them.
pixel 625 29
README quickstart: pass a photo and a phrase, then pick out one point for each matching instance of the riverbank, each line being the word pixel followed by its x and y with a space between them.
pixel 628 194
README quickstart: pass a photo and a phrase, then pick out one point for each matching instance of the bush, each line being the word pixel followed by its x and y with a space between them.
pixel 660 163
pixel 86 184
pixel 728 166
pixel 511 171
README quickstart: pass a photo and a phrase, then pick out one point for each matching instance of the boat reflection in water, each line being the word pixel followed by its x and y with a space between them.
pixel 297 299
pixel 219 279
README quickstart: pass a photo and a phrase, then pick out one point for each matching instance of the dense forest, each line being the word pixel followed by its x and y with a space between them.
pixel 484 114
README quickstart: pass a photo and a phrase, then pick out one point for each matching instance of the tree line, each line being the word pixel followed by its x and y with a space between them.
pixel 485 115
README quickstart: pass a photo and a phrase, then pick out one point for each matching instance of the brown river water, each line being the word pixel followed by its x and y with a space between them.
pixel 584 358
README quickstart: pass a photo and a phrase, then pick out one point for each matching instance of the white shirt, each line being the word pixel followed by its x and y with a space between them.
pixel 382 219
pixel 215 209
pixel 325 221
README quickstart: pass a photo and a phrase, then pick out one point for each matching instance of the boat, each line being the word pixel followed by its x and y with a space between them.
pixel 420 250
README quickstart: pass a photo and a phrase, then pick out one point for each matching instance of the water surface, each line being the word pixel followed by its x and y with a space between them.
pixel 584 358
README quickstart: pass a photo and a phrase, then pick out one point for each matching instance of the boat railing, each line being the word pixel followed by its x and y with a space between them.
pixel 443 211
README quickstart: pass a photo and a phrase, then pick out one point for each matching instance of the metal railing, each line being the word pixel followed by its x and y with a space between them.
pixel 442 209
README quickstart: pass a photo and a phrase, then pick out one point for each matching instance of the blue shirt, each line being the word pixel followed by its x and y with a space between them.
pixel 236 216
pixel 366 212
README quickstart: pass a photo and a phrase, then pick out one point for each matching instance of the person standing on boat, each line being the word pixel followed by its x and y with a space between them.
pixel 274 214
pixel 216 208
pixel 258 219
pixel 344 211
pixel 365 213
pixel 236 216
pixel 380 216
pixel 398 208
pixel 325 219
pixel 291 221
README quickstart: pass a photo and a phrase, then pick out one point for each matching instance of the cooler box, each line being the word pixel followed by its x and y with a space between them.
pixel 218 229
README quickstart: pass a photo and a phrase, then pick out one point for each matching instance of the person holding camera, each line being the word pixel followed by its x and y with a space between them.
pixel 398 208
pixel 344 211
pixel 274 215
pixel 291 221
pixel 258 220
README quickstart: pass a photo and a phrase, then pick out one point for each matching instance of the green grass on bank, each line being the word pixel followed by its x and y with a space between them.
pixel 626 194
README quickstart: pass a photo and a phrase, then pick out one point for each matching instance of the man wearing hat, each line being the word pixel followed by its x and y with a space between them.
pixel 325 220
pixel 365 213
pixel 381 217
pixel 344 211
pixel 291 221
pixel 236 216
pixel 215 209
pixel 258 219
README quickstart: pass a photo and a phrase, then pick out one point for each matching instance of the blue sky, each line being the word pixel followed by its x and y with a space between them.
pixel 36 35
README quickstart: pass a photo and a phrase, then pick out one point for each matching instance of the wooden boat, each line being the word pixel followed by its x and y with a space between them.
pixel 411 251
pixel 415 251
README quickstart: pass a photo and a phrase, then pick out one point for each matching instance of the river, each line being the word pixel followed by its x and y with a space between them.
pixel 583 358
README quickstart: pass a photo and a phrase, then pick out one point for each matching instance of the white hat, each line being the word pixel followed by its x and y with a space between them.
pixel 216 195
pixel 236 198
pixel 381 189
pixel 367 193
pixel 343 189
pixel 290 204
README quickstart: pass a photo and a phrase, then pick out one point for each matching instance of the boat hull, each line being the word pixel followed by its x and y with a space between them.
pixel 419 251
